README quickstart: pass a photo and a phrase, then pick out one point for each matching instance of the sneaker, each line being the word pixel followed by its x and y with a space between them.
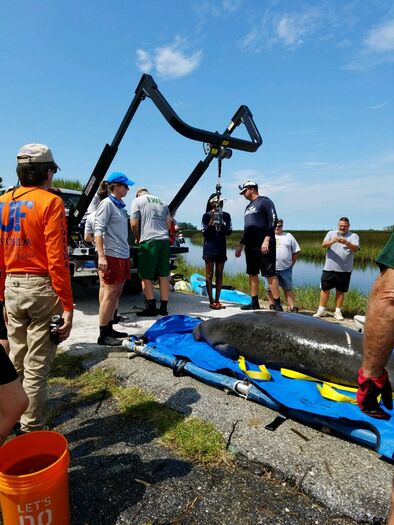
pixel 108 340
pixel 294 309
pixel 278 308
pixel 338 315
pixel 272 307
pixel 163 311
pixel 320 313
pixel 250 306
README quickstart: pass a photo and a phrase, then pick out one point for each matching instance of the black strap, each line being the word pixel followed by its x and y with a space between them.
pixel 280 418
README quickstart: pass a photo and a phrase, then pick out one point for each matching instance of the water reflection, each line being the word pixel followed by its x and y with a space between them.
pixel 304 273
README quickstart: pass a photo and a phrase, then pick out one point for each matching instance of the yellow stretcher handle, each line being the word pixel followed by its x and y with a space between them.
pixel 262 374
pixel 326 389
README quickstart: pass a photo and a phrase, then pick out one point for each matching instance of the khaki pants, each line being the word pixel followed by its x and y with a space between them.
pixel 31 302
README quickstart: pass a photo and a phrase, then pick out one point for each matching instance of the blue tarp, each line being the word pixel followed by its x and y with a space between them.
pixel 172 335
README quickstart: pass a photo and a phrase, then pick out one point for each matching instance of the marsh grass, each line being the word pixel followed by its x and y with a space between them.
pixel 68 184
pixel 191 438
pixel 307 297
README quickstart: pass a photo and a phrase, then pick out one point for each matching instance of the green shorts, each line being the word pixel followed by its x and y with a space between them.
pixel 385 259
pixel 154 259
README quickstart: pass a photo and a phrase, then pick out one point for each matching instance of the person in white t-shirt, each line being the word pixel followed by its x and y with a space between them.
pixel 341 245
pixel 287 252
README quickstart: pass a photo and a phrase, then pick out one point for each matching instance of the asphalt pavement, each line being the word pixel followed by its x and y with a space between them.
pixel 296 474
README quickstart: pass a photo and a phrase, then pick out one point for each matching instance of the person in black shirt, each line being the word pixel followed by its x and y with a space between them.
pixel 215 228
pixel 259 241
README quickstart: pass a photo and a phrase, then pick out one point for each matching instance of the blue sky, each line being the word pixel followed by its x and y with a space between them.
pixel 317 76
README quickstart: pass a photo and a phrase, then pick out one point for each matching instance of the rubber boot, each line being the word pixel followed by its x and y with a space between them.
pixel 254 305
pixel 114 333
pixel 150 309
pixel 163 308
pixel 106 339
pixel 119 318
pixel 277 305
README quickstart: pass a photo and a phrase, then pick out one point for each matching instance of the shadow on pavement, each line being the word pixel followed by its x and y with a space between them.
pixel 114 457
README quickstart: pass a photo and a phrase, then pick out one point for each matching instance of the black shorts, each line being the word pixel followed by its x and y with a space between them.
pixel 3 328
pixel 7 370
pixel 215 258
pixel 257 262
pixel 338 280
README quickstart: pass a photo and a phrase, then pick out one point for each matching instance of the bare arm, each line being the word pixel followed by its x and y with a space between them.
pixel 65 329
pixel 135 228
pixel 102 260
pixel 294 258
pixel 89 237
pixel 265 245
pixel 329 243
pixel 353 247
pixel 379 333
pixel 238 250
pixel 168 221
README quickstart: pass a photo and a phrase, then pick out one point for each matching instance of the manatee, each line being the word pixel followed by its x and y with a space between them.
pixel 327 351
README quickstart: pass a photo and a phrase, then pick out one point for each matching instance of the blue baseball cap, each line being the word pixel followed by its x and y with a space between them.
pixel 119 178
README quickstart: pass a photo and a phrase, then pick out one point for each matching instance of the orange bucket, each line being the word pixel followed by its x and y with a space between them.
pixel 34 481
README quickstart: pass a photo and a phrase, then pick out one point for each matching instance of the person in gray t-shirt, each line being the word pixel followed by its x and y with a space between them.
pixel 110 236
pixel 150 223
pixel 341 246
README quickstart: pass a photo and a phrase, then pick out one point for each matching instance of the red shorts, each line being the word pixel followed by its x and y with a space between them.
pixel 118 270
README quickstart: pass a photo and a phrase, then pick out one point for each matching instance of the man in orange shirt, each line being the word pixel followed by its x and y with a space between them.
pixel 34 275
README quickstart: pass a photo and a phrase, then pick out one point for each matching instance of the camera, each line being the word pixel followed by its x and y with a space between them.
pixel 56 322
pixel 217 218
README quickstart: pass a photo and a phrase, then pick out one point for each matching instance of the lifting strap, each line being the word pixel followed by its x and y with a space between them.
pixel 261 375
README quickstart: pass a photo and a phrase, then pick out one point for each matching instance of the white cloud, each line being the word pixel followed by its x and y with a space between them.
pixel 380 39
pixel 300 200
pixel 143 61
pixel 377 106
pixel 249 41
pixel 292 28
pixel 289 30
pixel 286 29
pixel 231 5
pixel 170 61
pixel 377 48
pixel 208 8
pixel 240 176
pixel 307 199
pixel 314 164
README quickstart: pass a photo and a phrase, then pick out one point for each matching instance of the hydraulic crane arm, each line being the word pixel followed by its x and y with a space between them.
pixel 148 88
pixel 243 115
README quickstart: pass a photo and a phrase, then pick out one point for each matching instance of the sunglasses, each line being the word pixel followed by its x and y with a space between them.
pixel 279 226
pixel 54 170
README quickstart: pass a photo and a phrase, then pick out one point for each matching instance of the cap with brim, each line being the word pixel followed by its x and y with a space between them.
pixel 246 185
pixel 140 188
pixel 34 153
pixel 119 178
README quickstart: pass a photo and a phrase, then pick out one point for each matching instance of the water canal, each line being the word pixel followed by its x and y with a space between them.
pixel 305 273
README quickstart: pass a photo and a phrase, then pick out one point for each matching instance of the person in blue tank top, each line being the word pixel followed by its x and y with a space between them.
pixel 216 226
